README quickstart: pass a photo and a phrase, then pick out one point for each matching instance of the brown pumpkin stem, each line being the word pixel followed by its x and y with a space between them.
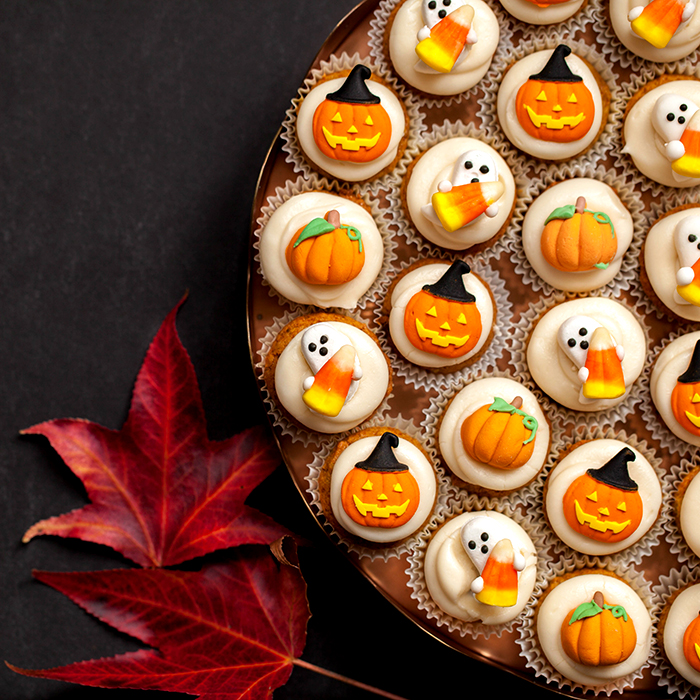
pixel 333 218
pixel 580 205
pixel 517 402
pixel 598 599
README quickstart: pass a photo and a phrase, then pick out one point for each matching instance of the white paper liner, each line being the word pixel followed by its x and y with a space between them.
pixel 415 571
pixel 661 667
pixel 576 23
pixel 528 640
pixel 556 411
pixel 629 272
pixel 599 149
pixel 677 544
pixel 645 545
pixel 335 64
pixel 279 420
pixel 315 183
pixel 488 82
pixel 654 423
pixel 528 494
pixel 425 378
pixel 377 551
pixel 439 133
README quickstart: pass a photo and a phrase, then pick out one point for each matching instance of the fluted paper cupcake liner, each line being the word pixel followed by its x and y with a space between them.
pixel 577 23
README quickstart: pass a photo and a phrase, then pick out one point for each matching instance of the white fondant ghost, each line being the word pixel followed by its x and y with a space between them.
pixel 670 118
pixel 686 238
pixel 479 536
pixel 318 344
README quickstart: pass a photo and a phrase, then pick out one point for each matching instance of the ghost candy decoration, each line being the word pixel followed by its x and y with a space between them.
pixel 685 397
pixel 658 21
pixel 688 164
pixel 686 238
pixel 447 39
pixel 669 119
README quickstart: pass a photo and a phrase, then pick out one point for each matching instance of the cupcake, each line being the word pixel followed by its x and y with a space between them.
pixel 552 104
pixel 544 11
pixel 674 385
pixel 321 249
pixel 481 566
pixel 657 30
pixel 378 487
pixel 670 263
pixel 587 353
pixel 352 126
pixel 679 632
pixel 494 436
pixel 576 233
pixel 661 131
pixel 326 372
pixel 593 628
pixel 460 194
pixel 440 316
pixel 602 496
pixel 687 509
pixel 441 47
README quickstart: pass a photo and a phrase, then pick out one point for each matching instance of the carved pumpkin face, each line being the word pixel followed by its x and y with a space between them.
pixel 685 397
pixel 691 643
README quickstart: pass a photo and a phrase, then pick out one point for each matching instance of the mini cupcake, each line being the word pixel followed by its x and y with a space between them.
pixel 481 566
pixel 544 11
pixel 352 126
pixel 688 509
pixel 552 104
pixel 441 47
pixel 326 372
pixel 674 385
pixel 576 233
pixel 494 436
pixel 661 131
pixel 460 194
pixel 440 316
pixel 321 249
pixel 587 353
pixel 657 30
pixel 602 497
pixel 670 263
pixel 378 487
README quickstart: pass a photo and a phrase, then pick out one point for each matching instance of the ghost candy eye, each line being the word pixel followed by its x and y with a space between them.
pixel 692 238
pixel 584 345
pixel 484 536
pixel 472 544
pixel 432 5
pixel 484 169
pixel 468 165
pixel 485 549
pixel 571 342
pixel 670 116
pixel 583 331
pixel 312 347
pixel 683 107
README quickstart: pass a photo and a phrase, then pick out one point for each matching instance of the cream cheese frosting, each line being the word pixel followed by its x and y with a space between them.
pixel 566 596
pixel 472 397
pixel 516 76
pixel 469 70
pixel 411 283
pixel 293 215
pixel 418 465
pixel 688 516
pixel 435 166
pixel 600 197
pixel 292 370
pixel 556 374
pixel 449 571
pixel 683 42
pixel 574 464
pixel 683 610
pixel 530 12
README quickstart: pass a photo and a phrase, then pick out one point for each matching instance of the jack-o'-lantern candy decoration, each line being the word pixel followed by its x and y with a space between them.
pixel 691 643
pixel 658 21
pixel 326 252
pixel 379 491
pixel 351 124
pixel 501 434
pixel 555 104
pixel 604 504
pixel 443 318
pixel 598 634
pixel 576 239
pixel 686 238
pixel 685 397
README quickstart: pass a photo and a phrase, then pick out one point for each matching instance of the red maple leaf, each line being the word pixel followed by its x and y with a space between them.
pixel 228 631
pixel 161 492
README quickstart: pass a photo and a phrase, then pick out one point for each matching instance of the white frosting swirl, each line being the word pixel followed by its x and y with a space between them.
pixel 682 612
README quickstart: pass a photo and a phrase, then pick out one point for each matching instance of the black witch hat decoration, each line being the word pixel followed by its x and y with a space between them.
pixel 557 69
pixel 615 473
pixel 382 457
pixel 451 285
pixel 692 374
pixel 354 90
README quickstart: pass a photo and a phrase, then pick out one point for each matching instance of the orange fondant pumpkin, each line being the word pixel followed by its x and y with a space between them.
pixel 555 104
pixel 691 643
pixel 500 434
pixel 576 239
pixel 326 252
pixel 351 124
pixel 598 634
pixel 685 397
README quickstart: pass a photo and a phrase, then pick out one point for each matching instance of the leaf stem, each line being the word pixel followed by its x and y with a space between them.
pixel 344 679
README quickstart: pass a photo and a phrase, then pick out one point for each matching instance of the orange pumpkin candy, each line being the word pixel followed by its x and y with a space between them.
pixel 326 252
pixel 691 643
pixel 685 397
pixel 555 104
pixel 351 124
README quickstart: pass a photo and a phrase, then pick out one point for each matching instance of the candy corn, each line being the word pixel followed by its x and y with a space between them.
pixel 605 377
pixel 331 383
pixel 447 39
pixel 691 292
pixel 500 577
pixel 689 163
pixel 659 21
pixel 463 203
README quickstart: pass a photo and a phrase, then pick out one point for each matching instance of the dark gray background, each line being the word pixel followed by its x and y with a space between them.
pixel 131 136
